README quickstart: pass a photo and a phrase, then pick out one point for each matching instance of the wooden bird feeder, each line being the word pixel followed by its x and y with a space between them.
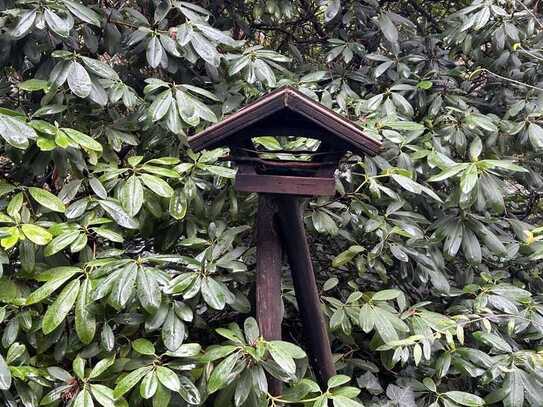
pixel 283 177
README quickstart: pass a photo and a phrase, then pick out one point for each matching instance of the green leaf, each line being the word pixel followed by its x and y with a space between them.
pixel 388 28
pixel 143 346
pixel 79 80
pixel 5 375
pixel 36 234
pixel 425 85
pixel 103 395
pixel 173 331
pixel 16 132
pixel 178 204
pixel 149 293
pixel 57 312
pixel 493 340
pixel 154 53
pixel 101 367
pixel 124 286
pixel 469 178
pixel 149 385
pixel 56 24
pixel 283 358
pixel 168 378
pixel 24 24
pixel 465 399
pixel 429 384
pixel 132 195
pixel 404 125
pixel 47 199
pixel 221 373
pixel 85 323
pixel 83 13
pixel 251 330
pixel 48 288
pixel 386 295
pixel 99 68
pixel 83 399
pixel 338 380
pixel 204 49
pixel 189 392
pixel 514 384
pixel 61 242
pixel 157 185
pixel 221 171
pixel 384 327
pixel 367 318
pixel 342 401
pixel 83 140
pixel 130 380
pixel 32 85
pixel 160 105
pixel 118 214
pixel 213 293
pixel 333 8
pixel 535 133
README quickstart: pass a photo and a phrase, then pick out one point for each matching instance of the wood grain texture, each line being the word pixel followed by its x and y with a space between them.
pixel 291 226
pixel 269 256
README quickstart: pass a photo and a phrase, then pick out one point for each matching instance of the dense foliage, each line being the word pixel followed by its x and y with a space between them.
pixel 127 261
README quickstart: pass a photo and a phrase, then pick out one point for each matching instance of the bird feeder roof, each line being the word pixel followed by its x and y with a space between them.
pixel 280 112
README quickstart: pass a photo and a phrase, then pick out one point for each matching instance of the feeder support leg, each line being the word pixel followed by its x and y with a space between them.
pixel 291 226
pixel 269 256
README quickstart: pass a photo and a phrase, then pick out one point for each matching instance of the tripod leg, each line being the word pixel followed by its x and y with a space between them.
pixel 269 255
pixel 291 226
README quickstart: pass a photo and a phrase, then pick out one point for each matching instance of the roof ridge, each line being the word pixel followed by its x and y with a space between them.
pixel 285 97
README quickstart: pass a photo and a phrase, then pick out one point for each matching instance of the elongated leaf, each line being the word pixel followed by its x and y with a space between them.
pixel 124 286
pixel 157 185
pixel 57 312
pixel 160 105
pixel 36 234
pixel 221 373
pixel 130 380
pixel 149 385
pixel 47 199
pixel 149 293
pixel 173 331
pixel 24 24
pixel 5 375
pixel 61 242
pixel 79 80
pixel 82 12
pixel 16 132
pixel 154 52
pixel 83 140
pixel 56 24
pixel 168 378
pixel 118 214
pixel 85 323
pixel 132 196
pixel 48 288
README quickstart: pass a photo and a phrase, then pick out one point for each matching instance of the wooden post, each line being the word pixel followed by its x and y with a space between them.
pixel 291 226
pixel 269 256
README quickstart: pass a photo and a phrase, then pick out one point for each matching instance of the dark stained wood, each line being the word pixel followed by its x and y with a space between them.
pixel 291 226
pixel 281 163
pixel 269 255
pixel 285 184
pixel 289 108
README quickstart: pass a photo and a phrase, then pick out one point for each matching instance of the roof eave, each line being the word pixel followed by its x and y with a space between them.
pixel 286 97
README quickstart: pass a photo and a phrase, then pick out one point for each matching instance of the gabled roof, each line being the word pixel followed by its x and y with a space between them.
pixel 279 107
